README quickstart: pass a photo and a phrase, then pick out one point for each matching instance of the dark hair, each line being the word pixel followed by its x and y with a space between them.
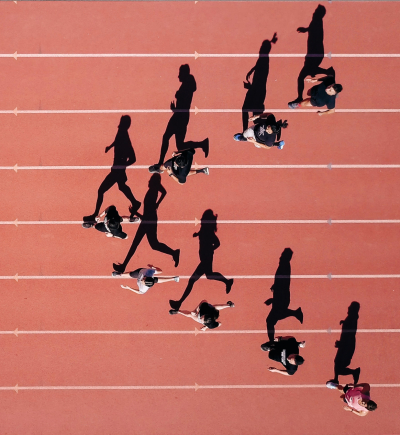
pixel 371 405
pixel 299 360
pixel 337 88
pixel 211 324
pixel 181 161
pixel 150 281
pixel 113 224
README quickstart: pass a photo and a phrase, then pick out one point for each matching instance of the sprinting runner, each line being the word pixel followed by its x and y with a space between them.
pixel 356 397
pixel 145 278
pixel 265 133
pixel 205 313
pixel 111 224
pixel 180 166
pixel 321 95
pixel 286 351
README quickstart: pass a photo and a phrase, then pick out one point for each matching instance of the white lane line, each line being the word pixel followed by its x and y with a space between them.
pixel 194 387
pixel 194 55
pixel 17 111
pixel 196 221
pixel 329 276
pixel 195 332
pixel 330 166
pixel 227 222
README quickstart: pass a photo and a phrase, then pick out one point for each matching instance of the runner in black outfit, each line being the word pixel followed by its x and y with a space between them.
pixel 286 351
pixel 111 225
pixel 180 166
pixel 321 95
pixel 124 156
pixel 179 121
pixel 265 133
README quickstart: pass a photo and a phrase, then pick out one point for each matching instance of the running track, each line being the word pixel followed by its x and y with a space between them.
pixel 141 376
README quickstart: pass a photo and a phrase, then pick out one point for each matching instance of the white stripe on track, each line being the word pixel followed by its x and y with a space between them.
pixel 194 387
pixel 196 332
pixel 330 166
pixel 330 276
pixel 228 222
pixel 194 55
pixel 109 111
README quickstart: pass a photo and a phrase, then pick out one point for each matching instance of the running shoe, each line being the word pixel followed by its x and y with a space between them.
pixel 332 385
pixel 155 169
pixel 206 171
pixel 176 278
pixel 281 144
pixel 293 105
pixel 239 137
pixel 116 274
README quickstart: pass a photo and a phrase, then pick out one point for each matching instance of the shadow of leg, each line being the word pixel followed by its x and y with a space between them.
pixel 175 305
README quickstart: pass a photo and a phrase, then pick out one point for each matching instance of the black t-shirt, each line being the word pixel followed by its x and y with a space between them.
pixel 281 350
pixel 260 132
pixel 320 98
pixel 112 214
pixel 182 173
pixel 207 309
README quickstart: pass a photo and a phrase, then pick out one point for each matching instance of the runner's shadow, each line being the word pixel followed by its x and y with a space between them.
pixel 281 295
pixel 315 50
pixel 257 89
pixel 179 121
pixel 124 155
pixel 209 242
pixel 346 346
pixel 148 224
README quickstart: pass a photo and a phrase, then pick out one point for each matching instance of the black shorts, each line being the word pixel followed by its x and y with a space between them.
pixel 168 164
pixel 314 102
pixel 117 233
pixel 135 273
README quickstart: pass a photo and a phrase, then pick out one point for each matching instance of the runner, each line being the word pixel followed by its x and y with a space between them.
pixel 266 132
pixel 180 166
pixel 286 351
pixel 111 225
pixel 321 95
pixel 205 313
pixel 145 278
pixel 356 397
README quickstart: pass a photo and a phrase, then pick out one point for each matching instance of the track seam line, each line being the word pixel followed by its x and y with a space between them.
pixel 195 332
pixel 194 387
pixel 329 276
pixel 329 166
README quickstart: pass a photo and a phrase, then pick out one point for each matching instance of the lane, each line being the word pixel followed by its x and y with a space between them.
pixel 81 139
pixel 206 27
pixel 103 305
pixel 152 83
pixel 120 360
pixel 285 194
pixel 240 411
pixel 319 250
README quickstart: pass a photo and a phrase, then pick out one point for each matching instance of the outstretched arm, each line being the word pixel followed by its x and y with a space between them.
pixel 282 372
pixel 261 116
